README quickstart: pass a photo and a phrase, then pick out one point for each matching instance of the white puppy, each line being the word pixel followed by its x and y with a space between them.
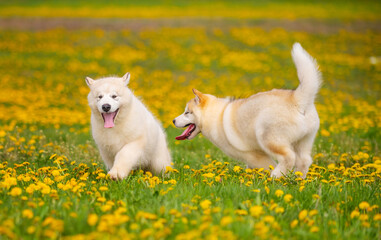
pixel 279 124
pixel 127 134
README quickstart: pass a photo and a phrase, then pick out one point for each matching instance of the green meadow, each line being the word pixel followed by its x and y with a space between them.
pixel 54 185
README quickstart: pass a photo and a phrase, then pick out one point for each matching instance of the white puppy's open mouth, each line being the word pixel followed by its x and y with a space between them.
pixel 109 118
pixel 188 132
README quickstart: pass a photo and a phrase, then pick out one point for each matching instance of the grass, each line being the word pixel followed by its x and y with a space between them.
pixel 53 183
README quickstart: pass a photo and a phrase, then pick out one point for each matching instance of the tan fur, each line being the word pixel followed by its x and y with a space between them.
pixel 275 125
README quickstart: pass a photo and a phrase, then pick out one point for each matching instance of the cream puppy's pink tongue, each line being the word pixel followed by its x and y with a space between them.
pixel 186 133
pixel 109 119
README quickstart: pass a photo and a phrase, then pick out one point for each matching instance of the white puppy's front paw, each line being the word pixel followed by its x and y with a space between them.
pixel 117 174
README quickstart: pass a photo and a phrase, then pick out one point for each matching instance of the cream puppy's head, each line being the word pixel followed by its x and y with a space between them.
pixel 191 118
pixel 108 96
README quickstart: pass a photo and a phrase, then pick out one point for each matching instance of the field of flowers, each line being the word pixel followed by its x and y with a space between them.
pixel 53 184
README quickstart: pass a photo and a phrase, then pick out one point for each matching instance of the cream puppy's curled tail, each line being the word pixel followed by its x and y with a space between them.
pixel 309 77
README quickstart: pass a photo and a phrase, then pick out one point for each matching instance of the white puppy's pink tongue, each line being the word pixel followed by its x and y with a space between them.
pixel 109 119
pixel 186 133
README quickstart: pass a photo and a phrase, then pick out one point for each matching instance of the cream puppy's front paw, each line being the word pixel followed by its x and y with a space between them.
pixel 276 173
pixel 117 174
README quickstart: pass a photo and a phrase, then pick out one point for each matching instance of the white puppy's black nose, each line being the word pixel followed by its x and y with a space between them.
pixel 106 107
pixel 174 121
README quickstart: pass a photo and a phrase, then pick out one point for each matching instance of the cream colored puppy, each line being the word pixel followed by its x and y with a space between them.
pixel 277 125
pixel 126 133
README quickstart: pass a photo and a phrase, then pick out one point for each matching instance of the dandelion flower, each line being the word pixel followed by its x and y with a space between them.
pixel 226 220
pixel 27 213
pixel 256 211
pixel 364 205
pixel 16 191
pixel 278 193
pixel 205 204
pixel 287 198
pixel 303 215
pixel 294 223
pixel 92 219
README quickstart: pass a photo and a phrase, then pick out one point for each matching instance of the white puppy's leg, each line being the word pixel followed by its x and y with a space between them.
pixel 107 158
pixel 303 154
pixel 125 160
pixel 161 159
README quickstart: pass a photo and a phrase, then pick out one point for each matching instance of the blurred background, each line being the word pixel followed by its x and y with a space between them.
pixel 227 48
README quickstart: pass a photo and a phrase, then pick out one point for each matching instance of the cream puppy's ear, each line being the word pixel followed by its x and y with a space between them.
pixel 126 79
pixel 200 97
pixel 89 81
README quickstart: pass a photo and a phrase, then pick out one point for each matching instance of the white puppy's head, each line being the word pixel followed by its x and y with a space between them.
pixel 191 118
pixel 107 97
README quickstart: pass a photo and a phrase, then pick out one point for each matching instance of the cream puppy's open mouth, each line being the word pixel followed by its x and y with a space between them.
pixel 188 132
pixel 109 118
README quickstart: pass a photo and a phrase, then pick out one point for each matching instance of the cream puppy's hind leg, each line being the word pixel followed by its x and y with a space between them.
pixel 125 160
pixel 303 154
pixel 259 159
pixel 281 151
pixel 286 159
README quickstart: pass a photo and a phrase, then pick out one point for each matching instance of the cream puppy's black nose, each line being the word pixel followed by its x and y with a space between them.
pixel 174 121
pixel 106 107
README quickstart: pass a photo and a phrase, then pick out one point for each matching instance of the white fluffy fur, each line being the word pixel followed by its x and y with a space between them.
pixel 276 125
pixel 137 140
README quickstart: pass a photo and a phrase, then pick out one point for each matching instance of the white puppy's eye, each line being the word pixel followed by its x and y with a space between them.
pixel 100 97
pixel 114 96
pixel 186 113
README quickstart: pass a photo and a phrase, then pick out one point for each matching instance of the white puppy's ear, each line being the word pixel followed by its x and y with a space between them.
pixel 126 79
pixel 89 81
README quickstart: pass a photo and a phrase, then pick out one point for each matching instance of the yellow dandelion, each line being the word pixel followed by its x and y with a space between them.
pixel 325 133
pixel 331 166
pixel 208 175
pixel 256 211
pixel 27 213
pixel 364 217
pixel 269 219
pixel 313 212
pixel 303 215
pixel 287 198
pixel 226 220
pixel 278 193
pixel 103 188
pixel 314 229
pixel 31 229
pixel 237 169
pixel 279 210
pixel 364 205
pixel 92 219
pixel 294 223
pixel 16 191
pixel 205 204
pixel 146 233
pixel 355 213
pixel 241 212
pixel 377 217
